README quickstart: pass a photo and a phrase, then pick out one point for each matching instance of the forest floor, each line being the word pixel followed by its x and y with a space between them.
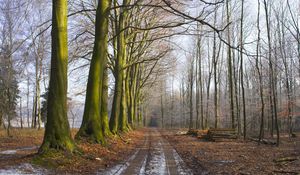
pixel 18 154
pixel 150 151
pixel 237 156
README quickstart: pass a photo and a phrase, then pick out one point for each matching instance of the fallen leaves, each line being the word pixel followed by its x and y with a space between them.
pixel 95 157
pixel 236 156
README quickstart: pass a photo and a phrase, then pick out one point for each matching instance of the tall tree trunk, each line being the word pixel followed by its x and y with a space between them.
pixel 8 123
pixel 119 70
pixel 215 62
pixel 272 83
pixel 172 101
pixel 162 108
pixel 38 106
pixel 271 102
pixel 123 118
pixel 133 93
pixel 242 72
pixel 258 65
pixel 39 95
pixel 140 110
pixel 57 134
pixel 27 104
pixel 182 100
pixel 197 88
pixel 233 125
pixel 21 115
pixel 104 105
pixel 139 70
pixel 200 83
pixel 130 102
pixel 282 47
pixel 198 80
pixel 91 126
pixel 208 90
pixel 191 88
pixel 37 115
pixel 236 96
pixel 33 114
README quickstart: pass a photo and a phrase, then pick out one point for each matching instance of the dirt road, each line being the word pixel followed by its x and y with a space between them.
pixel 155 157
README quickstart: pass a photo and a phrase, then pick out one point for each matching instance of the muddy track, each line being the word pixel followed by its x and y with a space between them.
pixel 156 157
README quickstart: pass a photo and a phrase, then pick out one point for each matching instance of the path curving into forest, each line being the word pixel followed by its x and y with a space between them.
pixel 156 157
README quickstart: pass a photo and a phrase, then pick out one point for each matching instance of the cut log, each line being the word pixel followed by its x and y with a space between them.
pixel 264 141
pixel 220 133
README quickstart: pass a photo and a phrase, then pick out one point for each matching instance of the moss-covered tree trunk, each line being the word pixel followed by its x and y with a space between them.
pixel 104 110
pixel 91 126
pixel 137 93
pixel 57 133
pixel 119 73
pixel 123 118
pixel 113 122
pixel 129 92
pixel 116 106
pixel 140 111
pixel 132 94
pixel 131 115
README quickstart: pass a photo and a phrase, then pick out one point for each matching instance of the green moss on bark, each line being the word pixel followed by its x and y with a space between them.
pixel 123 118
pixel 104 108
pixel 92 124
pixel 57 133
pixel 118 119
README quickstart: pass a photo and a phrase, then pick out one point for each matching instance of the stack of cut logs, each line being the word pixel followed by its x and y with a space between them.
pixel 213 133
pixel 221 133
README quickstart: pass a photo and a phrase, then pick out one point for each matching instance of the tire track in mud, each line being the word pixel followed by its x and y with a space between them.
pixel 132 160
pixel 155 157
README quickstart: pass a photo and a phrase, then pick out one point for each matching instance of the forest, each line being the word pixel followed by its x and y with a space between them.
pixel 149 87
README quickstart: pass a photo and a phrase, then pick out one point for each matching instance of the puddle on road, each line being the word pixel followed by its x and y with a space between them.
pixel 153 163
pixel 118 169
pixel 157 163
pixel 143 169
pixel 25 168
pixel 8 152
pixel 14 151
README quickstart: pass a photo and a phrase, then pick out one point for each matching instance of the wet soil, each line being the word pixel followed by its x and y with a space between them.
pixel 155 157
